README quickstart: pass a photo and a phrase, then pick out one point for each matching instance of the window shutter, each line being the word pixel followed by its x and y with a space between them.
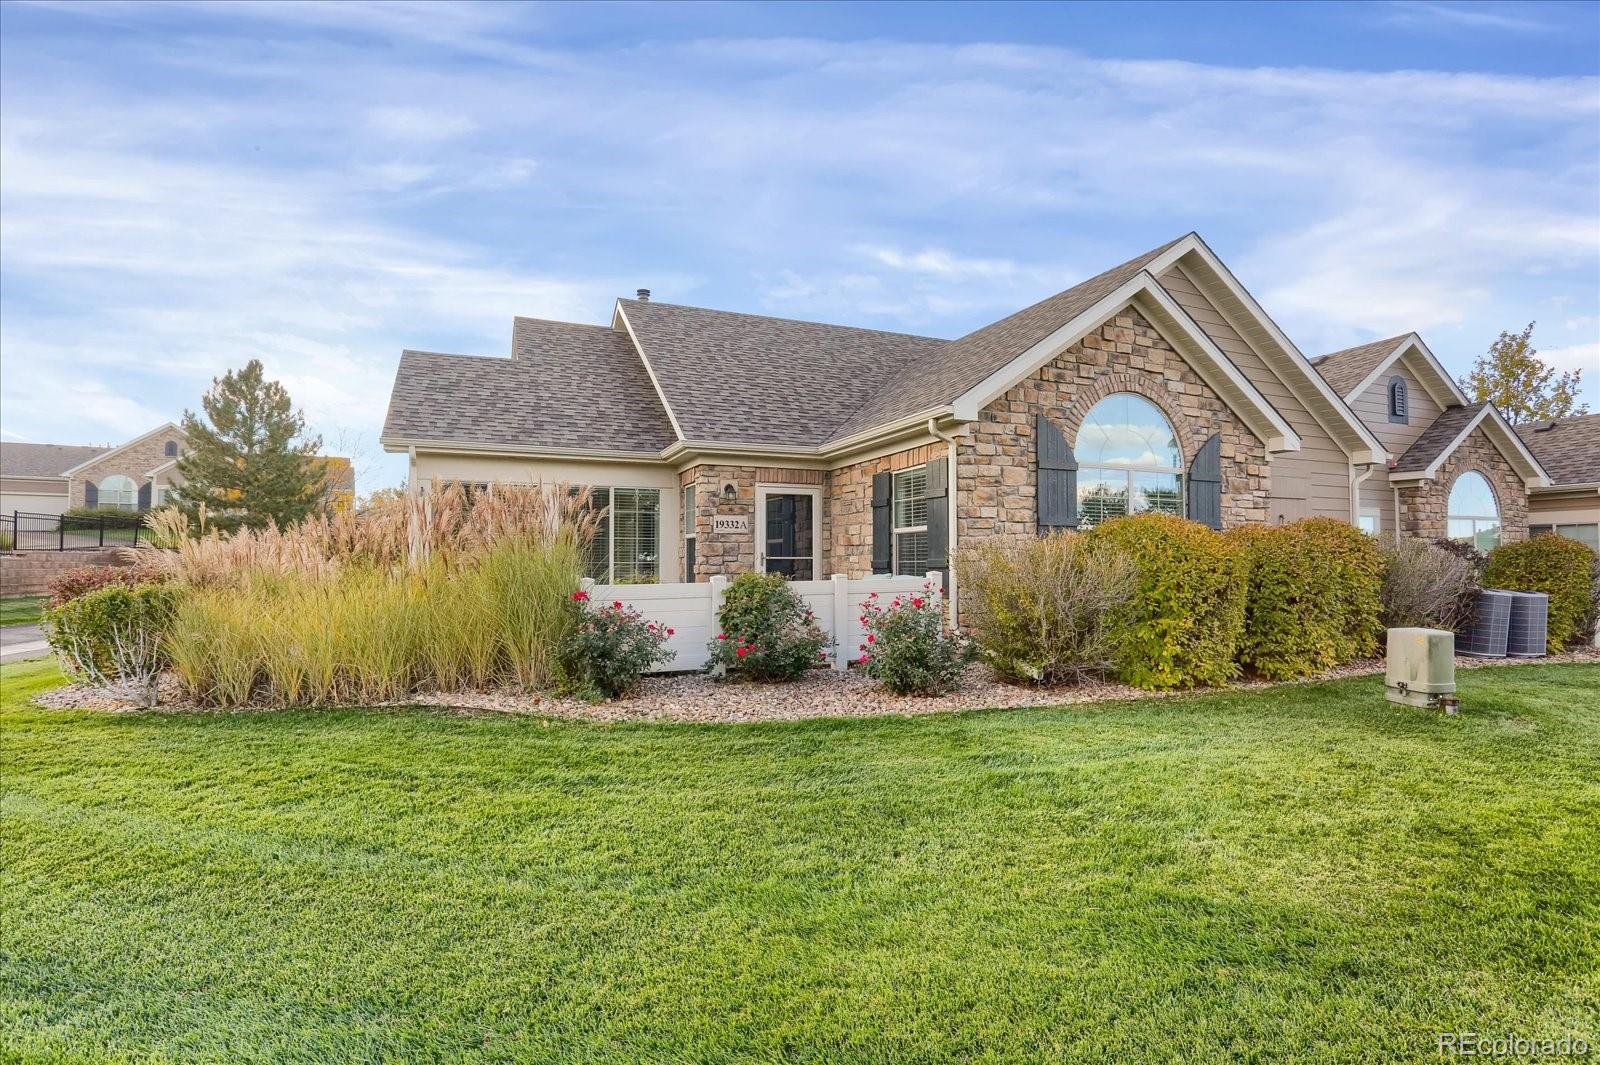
pixel 1205 484
pixel 1058 478
pixel 882 523
pixel 91 494
pixel 1397 399
pixel 938 495
pixel 144 496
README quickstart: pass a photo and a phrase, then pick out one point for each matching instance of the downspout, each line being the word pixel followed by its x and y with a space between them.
pixel 1394 488
pixel 950 548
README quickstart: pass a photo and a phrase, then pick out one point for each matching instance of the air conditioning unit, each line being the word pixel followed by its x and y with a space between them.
pixel 1421 667
pixel 1486 633
pixel 1530 625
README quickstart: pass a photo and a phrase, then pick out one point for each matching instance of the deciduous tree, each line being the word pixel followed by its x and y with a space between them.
pixel 1520 384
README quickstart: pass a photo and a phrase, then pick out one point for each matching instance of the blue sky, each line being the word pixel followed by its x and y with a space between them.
pixel 184 187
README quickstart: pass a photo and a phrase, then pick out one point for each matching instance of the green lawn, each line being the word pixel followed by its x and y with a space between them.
pixel 21 609
pixel 1299 874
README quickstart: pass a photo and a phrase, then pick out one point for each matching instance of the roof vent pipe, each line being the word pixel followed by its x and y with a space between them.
pixel 644 295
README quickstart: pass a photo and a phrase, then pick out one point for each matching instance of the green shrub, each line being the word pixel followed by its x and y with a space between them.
pixel 1555 565
pixel 610 647
pixel 85 579
pixel 1425 586
pixel 114 633
pixel 1043 611
pixel 130 517
pixel 1312 596
pixel 909 648
pixel 767 632
pixel 7 541
pixel 1181 627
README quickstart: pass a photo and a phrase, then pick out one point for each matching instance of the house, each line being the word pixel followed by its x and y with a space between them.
pixel 134 476
pixel 724 442
pixel 1569 450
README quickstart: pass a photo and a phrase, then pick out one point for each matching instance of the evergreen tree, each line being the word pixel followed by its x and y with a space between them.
pixel 1515 380
pixel 248 460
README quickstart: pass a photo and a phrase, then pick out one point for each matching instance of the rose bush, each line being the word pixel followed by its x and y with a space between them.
pixel 611 645
pixel 767 633
pixel 909 648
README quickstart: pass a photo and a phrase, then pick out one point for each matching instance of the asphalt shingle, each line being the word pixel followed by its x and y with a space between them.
pixel 1436 437
pixel 1567 448
pixel 43 460
pixel 1348 367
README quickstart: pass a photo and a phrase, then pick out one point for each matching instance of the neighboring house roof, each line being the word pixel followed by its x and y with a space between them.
pixel 564 386
pixel 1428 452
pixel 962 364
pixel 1568 448
pixel 44 460
pixel 163 427
pixel 1348 367
pixel 748 378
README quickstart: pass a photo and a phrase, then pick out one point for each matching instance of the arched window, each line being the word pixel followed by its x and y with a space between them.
pixel 1398 405
pixel 119 491
pixel 1128 460
pixel 1472 514
pixel 171 449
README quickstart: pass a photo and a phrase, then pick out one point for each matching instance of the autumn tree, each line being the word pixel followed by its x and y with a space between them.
pixel 249 460
pixel 1520 385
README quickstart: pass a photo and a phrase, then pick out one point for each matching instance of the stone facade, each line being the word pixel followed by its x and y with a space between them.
pixel 848 516
pixel 133 462
pixel 1424 505
pixel 997 479
pixel 30 572
pixel 729 553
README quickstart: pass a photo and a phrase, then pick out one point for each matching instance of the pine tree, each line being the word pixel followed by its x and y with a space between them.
pixel 248 460
pixel 1515 380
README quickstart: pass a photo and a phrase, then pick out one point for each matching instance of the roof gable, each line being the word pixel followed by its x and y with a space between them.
pixel 141 438
pixel 1354 370
pixel 1450 429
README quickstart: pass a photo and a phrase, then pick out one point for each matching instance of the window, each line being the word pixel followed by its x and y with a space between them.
pixel 1128 461
pixel 1472 514
pixel 687 518
pixel 1368 523
pixel 1584 532
pixel 119 491
pixel 171 449
pixel 1397 399
pixel 911 522
pixel 626 545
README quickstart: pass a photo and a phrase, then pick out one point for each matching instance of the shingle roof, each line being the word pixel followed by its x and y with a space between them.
pixel 1436 437
pixel 1567 448
pixel 961 364
pixel 565 385
pixel 43 460
pixel 1348 367
pixel 748 378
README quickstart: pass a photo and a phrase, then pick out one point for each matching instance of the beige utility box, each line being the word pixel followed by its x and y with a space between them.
pixel 1421 668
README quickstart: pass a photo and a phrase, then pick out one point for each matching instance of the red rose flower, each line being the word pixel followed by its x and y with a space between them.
pixel 741 652
pixel 580 597
pixel 616 604
pixel 669 632
pixel 722 636
pixel 865 659
pixel 871 638
pixel 917 603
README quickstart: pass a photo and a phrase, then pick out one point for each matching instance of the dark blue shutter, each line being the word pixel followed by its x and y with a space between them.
pixel 882 523
pixel 1058 478
pixel 1398 406
pixel 938 495
pixel 144 496
pixel 91 494
pixel 1205 484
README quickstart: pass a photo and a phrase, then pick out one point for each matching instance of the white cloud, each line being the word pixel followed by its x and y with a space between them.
pixel 418 124
pixel 1478 16
pixel 1584 357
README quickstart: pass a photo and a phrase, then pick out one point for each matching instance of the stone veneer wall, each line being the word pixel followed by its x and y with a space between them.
pixel 134 463
pixel 30 572
pixel 1424 505
pixel 997 476
pixel 847 524
pixel 732 553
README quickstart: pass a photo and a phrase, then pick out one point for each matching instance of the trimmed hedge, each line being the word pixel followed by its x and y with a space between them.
pixel 1313 596
pixel 1555 565
pixel 1182 626
pixel 114 633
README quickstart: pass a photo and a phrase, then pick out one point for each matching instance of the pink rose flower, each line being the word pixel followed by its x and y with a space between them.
pixel 580 597
pixel 741 652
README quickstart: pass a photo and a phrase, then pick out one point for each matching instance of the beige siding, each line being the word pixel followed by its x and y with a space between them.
pixel 1561 508
pixel 1372 407
pixel 1314 481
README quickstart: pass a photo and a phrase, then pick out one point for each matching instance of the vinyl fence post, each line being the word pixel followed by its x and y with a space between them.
pixel 841 621
pixel 716 587
pixel 936 592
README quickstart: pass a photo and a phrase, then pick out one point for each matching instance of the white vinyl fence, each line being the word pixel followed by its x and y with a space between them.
pixel 691 610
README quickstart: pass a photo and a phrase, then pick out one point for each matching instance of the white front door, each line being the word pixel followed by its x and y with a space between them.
pixel 789 531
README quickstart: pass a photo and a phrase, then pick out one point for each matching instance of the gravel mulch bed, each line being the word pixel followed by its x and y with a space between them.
pixel 821 693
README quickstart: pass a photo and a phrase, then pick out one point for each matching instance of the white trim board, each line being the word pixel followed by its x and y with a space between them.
pixel 760 529
pixel 618 315
pixel 1537 478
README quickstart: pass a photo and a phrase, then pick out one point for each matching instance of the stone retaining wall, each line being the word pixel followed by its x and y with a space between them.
pixel 30 573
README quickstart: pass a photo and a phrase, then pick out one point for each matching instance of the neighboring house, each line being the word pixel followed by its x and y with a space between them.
pixel 137 475
pixel 1459 469
pixel 1569 449
pixel 724 442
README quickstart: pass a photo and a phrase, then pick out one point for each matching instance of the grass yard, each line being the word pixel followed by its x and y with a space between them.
pixel 21 609
pixel 1297 874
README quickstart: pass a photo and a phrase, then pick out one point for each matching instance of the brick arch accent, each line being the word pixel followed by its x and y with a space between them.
pixel 1191 436
pixel 1424 505
pixel 996 472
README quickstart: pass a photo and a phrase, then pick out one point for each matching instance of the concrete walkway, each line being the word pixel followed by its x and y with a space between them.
pixel 18 642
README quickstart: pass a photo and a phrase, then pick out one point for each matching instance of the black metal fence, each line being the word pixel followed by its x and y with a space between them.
pixel 20 531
